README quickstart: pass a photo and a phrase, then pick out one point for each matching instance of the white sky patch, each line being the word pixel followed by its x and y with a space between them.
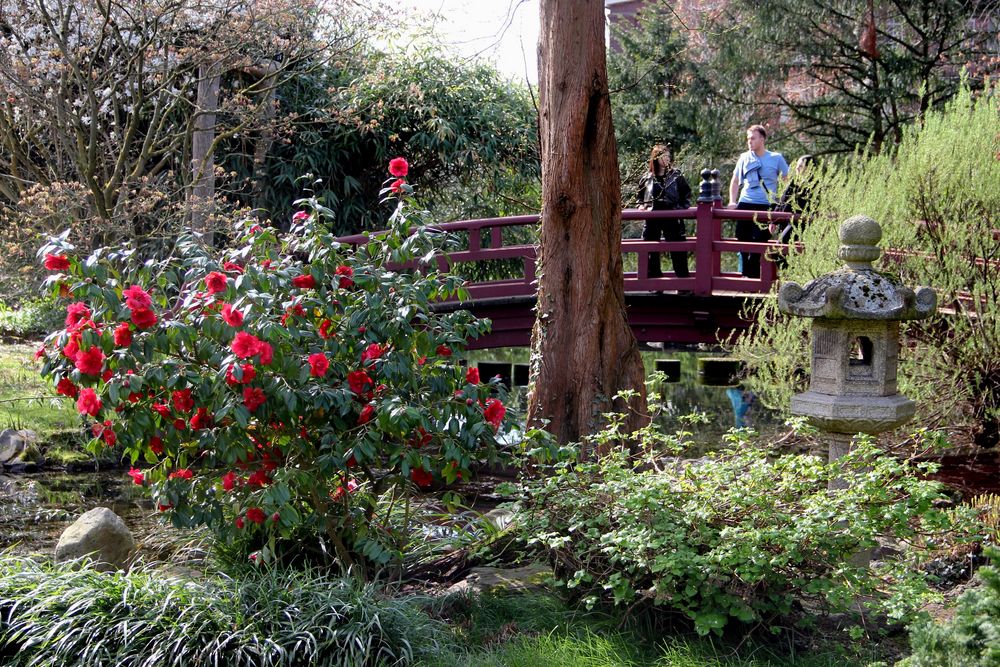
pixel 503 32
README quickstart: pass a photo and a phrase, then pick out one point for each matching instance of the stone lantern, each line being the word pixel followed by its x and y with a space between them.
pixel 855 340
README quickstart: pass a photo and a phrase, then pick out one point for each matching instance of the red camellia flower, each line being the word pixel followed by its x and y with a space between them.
pixel 143 318
pixel 107 375
pixel 67 388
pixel 182 400
pixel 494 412
pixel 398 166
pixel 245 345
pixel 123 335
pixel 397 186
pixel 233 318
pixel 156 445
pixel 253 398
pixel 137 298
pixel 72 347
pixel 299 216
pixel 326 329
pixel 340 491
pixel 305 281
pixel 201 419
pixel 266 353
pixel 183 473
pixel 256 515
pixel 443 351
pixel 98 429
pixel 239 523
pixel 90 361
pixel 421 437
pixel 318 364
pixel 215 282
pixel 366 415
pixel 259 479
pixel 88 403
pixel 180 424
pixel 137 476
pixel 75 313
pixel 248 373
pixel 56 262
pixel 472 375
pixel 373 351
pixel 358 381
pixel 229 481
pixel 345 273
pixel 232 266
pixel 421 477
pixel 161 409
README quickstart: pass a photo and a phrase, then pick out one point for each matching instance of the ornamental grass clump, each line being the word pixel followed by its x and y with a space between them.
pixel 275 390
pixel 740 535
pixel 78 617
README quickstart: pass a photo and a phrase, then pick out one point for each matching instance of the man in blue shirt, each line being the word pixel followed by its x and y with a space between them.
pixel 754 187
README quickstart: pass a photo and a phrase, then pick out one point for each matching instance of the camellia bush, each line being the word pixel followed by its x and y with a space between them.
pixel 289 392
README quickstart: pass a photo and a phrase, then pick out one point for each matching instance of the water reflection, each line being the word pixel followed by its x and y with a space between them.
pixel 724 407
pixel 36 508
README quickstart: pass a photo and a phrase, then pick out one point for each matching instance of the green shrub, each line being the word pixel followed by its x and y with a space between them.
pixel 738 535
pixel 31 319
pixel 972 637
pixel 52 615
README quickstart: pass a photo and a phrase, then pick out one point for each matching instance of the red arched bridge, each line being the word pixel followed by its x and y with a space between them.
pixel 704 307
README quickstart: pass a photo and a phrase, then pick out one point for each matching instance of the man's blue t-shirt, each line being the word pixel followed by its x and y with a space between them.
pixel 751 170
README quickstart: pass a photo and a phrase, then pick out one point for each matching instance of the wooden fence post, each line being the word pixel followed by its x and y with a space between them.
pixel 704 221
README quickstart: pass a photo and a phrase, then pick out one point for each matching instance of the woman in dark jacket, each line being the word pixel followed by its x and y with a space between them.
pixel 663 188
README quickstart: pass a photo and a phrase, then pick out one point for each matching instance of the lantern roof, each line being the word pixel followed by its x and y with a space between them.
pixel 857 291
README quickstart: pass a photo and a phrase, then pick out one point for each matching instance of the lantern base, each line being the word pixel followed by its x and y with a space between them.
pixel 853 414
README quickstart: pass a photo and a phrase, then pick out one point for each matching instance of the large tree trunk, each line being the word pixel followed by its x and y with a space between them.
pixel 583 351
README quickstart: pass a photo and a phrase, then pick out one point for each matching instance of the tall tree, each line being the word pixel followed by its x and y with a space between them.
pixel 660 93
pixel 850 71
pixel 583 351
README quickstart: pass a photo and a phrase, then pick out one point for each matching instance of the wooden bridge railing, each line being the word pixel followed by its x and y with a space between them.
pixel 485 240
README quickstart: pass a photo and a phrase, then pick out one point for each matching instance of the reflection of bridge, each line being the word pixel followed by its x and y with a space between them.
pixel 702 308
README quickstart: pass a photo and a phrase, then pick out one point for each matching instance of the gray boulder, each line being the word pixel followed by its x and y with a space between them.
pixel 100 534
pixel 14 442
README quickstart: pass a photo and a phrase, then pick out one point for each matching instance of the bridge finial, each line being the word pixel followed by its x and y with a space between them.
pixel 705 189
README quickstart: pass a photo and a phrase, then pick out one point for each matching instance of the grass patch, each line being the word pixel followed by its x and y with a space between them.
pixel 538 630
pixel 27 401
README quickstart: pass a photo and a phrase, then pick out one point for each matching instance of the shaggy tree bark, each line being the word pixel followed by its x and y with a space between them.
pixel 583 351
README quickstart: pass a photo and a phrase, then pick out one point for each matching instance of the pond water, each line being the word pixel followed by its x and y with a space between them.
pixel 723 407
pixel 36 508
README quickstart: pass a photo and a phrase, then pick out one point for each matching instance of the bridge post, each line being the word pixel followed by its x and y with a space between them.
pixel 704 235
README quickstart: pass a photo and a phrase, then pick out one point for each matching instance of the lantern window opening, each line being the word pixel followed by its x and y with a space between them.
pixel 862 352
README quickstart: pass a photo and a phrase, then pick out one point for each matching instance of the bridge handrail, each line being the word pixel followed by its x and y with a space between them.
pixel 706 245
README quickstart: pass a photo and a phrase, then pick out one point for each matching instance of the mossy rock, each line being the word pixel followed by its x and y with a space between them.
pixel 31 453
